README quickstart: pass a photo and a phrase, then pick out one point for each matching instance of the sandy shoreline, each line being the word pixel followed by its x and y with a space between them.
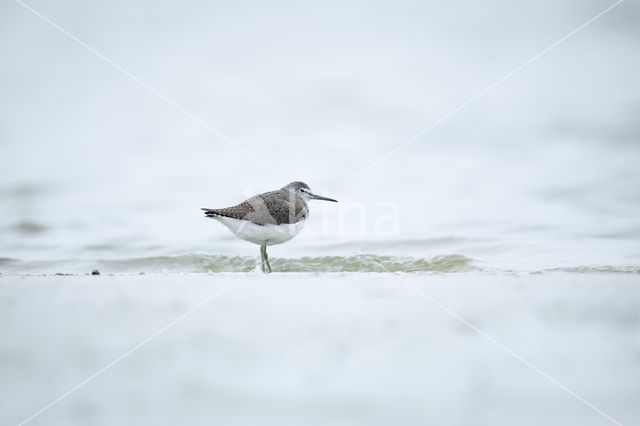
pixel 311 349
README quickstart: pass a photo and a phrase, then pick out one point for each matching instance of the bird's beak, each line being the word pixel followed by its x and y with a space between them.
pixel 320 197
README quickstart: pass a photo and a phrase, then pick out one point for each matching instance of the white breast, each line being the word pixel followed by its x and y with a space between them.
pixel 262 234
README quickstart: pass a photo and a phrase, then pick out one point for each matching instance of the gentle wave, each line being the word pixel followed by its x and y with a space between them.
pixel 203 263
pixel 597 269
pixel 194 263
pixel 375 263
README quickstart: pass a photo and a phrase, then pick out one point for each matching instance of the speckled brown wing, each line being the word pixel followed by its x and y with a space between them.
pixel 284 207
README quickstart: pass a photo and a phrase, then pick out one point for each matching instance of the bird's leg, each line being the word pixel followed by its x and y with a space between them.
pixel 266 257
pixel 266 267
pixel 262 253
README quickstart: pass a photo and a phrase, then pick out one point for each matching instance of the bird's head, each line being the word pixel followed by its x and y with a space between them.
pixel 301 189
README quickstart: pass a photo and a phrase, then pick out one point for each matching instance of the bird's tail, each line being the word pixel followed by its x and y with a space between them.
pixel 211 212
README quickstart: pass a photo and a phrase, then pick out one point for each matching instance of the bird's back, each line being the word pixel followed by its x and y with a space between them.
pixel 275 208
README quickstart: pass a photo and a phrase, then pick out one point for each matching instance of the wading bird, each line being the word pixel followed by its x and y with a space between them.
pixel 270 218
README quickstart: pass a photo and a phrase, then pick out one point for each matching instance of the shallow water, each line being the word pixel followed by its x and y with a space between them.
pixel 202 263
pixel 510 228
pixel 216 263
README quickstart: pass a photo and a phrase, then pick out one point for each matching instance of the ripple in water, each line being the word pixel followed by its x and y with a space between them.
pixel 202 263
pixel 195 263
pixel 357 263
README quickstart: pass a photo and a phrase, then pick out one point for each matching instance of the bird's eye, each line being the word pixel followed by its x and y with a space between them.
pixel 301 189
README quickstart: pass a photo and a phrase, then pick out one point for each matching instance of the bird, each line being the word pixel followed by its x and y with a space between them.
pixel 269 218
